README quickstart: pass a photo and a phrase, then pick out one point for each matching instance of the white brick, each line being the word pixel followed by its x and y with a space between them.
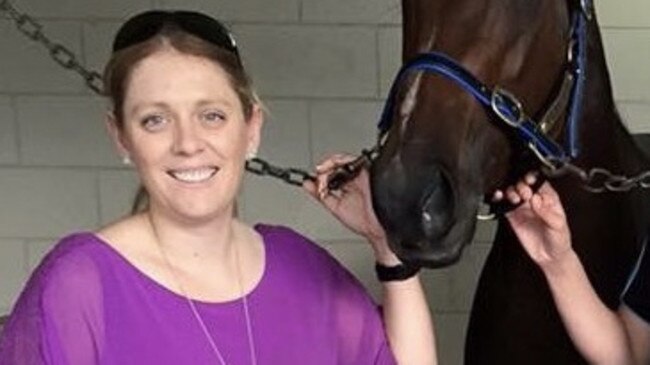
pixel 36 251
pixel 117 191
pixel 436 287
pixel 269 201
pixel 451 289
pixel 46 203
pixel 352 11
pixel 64 131
pixel 8 137
pixel 463 277
pixel 636 116
pixel 26 66
pixel 84 9
pixel 627 55
pixel 98 42
pixel 623 13
pixel 12 272
pixel 285 138
pixel 450 336
pixel 343 127
pixel 314 61
pixel 485 231
pixel 241 10
pixel 390 59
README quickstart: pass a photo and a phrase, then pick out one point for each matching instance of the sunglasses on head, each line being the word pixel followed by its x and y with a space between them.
pixel 144 26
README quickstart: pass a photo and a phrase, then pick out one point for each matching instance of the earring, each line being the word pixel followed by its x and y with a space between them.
pixel 126 160
pixel 251 154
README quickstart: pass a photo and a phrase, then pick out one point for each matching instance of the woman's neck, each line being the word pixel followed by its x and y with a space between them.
pixel 210 242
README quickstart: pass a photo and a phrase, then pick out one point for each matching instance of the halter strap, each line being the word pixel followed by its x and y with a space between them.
pixel 505 106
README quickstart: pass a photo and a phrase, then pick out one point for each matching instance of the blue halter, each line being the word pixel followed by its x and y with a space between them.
pixel 505 106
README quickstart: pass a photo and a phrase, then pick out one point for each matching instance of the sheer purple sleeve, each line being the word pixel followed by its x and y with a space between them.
pixel 361 330
pixel 58 317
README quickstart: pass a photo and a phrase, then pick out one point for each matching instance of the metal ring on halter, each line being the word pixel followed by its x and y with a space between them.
pixel 502 96
pixel 486 217
pixel 552 164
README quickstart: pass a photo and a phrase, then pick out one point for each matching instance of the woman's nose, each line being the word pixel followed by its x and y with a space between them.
pixel 187 139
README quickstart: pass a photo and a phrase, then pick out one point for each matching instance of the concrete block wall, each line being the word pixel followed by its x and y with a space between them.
pixel 322 66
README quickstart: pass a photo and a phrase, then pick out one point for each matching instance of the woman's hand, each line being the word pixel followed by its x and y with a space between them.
pixel 539 222
pixel 351 205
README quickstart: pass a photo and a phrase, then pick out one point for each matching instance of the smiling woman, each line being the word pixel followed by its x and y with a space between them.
pixel 182 280
pixel 187 133
pixel 225 57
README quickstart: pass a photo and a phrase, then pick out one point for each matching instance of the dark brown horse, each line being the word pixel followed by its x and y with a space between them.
pixel 445 152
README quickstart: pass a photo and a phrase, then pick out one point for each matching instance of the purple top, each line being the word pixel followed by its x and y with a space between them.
pixel 86 304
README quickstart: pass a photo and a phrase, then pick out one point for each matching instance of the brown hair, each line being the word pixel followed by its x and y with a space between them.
pixel 119 68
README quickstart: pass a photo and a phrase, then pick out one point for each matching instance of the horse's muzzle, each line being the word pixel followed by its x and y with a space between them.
pixel 417 210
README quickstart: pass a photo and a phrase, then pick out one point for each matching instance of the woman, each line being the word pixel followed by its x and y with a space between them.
pixel 600 334
pixel 183 281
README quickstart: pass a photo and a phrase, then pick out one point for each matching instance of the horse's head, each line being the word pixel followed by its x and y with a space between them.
pixel 444 153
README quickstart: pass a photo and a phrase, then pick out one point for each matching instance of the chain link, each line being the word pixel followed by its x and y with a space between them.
pixel 346 172
pixel 291 176
pixel 59 53
pixel 599 180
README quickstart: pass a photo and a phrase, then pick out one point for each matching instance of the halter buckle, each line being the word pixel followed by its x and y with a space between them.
pixel 507 107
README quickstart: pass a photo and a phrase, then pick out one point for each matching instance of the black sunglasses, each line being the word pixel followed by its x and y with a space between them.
pixel 144 26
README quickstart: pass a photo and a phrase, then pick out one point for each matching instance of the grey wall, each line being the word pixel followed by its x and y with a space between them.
pixel 322 66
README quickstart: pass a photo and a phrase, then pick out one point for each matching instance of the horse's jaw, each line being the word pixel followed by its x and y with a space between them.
pixel 433 253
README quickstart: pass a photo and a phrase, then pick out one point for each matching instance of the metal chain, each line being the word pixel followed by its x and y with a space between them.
pixel 341 175
pixel 59 53
pixel 599 180
pixel 291 176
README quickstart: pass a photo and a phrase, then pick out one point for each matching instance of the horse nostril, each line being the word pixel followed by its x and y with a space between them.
pixel 437 207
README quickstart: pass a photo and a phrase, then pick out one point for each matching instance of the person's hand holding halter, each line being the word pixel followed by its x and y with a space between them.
pixel 351 204
pixel 539 220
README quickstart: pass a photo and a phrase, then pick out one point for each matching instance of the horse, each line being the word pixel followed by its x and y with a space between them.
pixel 456 128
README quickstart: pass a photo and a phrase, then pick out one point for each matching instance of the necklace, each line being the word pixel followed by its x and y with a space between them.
pixel 199 319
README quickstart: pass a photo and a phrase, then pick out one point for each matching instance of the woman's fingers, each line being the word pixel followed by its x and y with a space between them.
pixel 311 187
pixel 524 191
pixel 497 196
pixel 549 194
pixel 530 178
pixel 332 162
pixel 547 204
pixel 324 169
pixel 512 195
pixel 521 191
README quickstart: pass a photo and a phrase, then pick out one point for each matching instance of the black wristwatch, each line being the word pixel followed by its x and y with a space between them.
pixel 399 272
